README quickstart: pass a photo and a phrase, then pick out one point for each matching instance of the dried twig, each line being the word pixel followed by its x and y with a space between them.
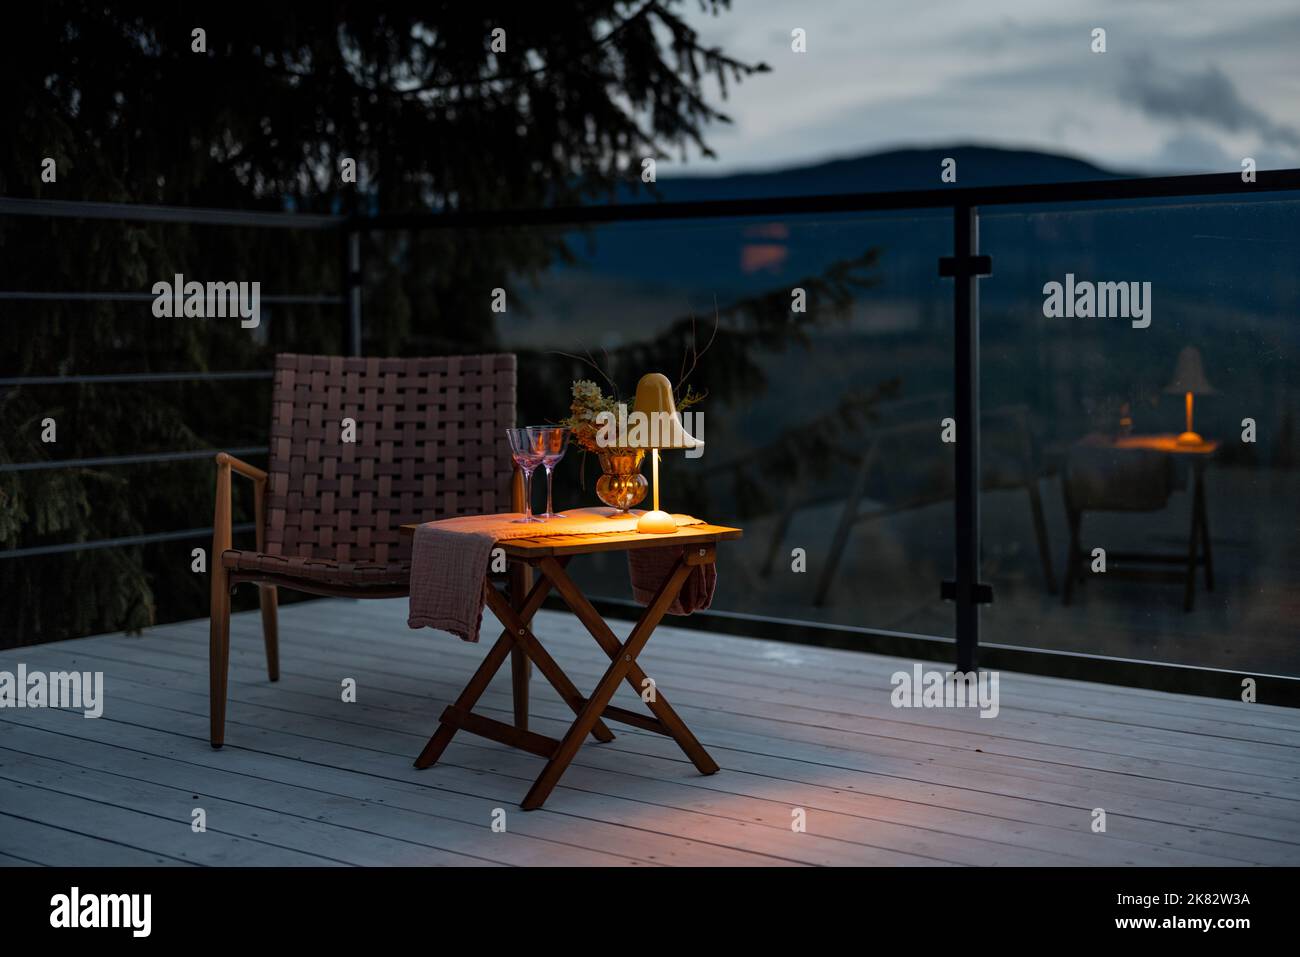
pixel 697 353
pixel 588 360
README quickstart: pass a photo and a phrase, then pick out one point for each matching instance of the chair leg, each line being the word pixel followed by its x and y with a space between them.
pixel 778 536
pixel 840 539
pixel 1040 533
pixel 1072 558
pixel 269 597
pixel 848 518
pixel 218 655
pixel 1193 544
pixel 1205 533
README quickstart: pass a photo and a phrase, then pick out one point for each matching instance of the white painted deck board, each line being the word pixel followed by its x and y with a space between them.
pixel 307 779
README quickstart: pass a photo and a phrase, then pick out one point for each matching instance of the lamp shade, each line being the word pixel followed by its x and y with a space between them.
pixel 654 398
pixel 1189 375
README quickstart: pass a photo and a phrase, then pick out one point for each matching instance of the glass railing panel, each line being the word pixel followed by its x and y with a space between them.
pixel 822 426
pixel 1082 417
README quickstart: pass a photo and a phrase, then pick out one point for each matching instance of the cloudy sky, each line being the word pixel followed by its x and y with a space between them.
pixel 1184 85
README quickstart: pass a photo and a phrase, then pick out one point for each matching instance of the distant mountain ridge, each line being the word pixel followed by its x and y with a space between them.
pixel 1211 253
pixel 900 169
pixel 714 260
pixel 1222 275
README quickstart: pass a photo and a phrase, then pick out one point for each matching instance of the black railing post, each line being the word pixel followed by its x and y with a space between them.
pixel 965 266
pixel 350 274
pixel 966 356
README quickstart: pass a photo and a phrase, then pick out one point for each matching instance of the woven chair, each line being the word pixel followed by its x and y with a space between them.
pixel 885 471
pixel 1098 477
pixel 429 443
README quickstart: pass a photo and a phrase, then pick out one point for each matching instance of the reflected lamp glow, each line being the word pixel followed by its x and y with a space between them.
pixel 1189 380
pixel 654 399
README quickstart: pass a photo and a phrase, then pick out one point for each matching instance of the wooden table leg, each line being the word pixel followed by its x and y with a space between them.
pixel 608 641
pixel 466 701
pixel 517 637
pixel 527 643
pixel 1193 544
pixel 614 675
pixel 1205 529
pixel 521 580
pixel 486 670
pixel 1074 520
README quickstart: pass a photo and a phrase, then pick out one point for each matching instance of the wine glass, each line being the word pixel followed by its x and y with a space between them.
pixel 551 441
pixel 527 456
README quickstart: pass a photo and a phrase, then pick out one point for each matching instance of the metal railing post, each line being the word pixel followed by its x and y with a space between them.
pixel 965 266
pixel 350 256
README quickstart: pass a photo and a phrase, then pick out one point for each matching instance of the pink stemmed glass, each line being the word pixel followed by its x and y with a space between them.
pixel 527 456
pixel 552 441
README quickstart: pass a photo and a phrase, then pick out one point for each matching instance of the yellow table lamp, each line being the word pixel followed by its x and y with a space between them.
pixel 663 430
pixel 1189 379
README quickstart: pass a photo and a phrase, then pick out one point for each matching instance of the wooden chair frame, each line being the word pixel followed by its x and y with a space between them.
pixel 519 581
pixel 1125 564
pixel 428 441
pixel 864 465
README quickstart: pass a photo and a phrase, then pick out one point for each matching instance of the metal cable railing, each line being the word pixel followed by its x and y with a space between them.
pixel 155 214
pixel 964 267
pixel 118 377
pixel 103 461
pixel 121 542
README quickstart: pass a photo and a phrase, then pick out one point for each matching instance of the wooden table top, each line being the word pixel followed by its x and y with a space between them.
pixel 541 545
pixel 1168 444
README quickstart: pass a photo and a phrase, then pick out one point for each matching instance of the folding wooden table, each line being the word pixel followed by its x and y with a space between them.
pixel 1198 541
pixel 549 554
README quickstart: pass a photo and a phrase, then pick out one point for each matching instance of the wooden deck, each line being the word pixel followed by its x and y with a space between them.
pixel 306 779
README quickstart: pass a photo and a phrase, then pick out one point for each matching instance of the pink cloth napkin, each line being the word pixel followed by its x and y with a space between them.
pixel 449 562
pixel 649 568
pixel 448 579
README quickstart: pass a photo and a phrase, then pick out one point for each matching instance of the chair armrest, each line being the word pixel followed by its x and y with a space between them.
pixel 221 520
pixel 240 466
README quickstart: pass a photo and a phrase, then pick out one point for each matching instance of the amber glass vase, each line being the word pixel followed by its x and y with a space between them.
pixel 621 484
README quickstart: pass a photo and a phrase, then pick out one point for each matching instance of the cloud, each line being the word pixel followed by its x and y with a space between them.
pixel 1208 97
pixel 1015 72
pixel 1190 152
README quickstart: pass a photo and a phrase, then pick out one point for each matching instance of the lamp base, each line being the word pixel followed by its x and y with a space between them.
pixel 656 523
pixel 1190 438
